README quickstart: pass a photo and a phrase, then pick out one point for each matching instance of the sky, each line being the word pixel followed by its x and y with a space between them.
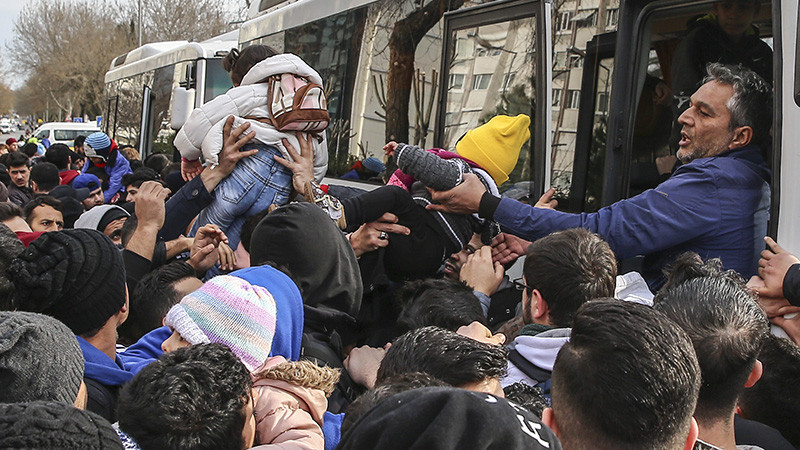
pixel 9 10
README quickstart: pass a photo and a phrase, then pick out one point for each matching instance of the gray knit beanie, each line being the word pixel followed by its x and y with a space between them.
pixel 39 359
pixel 49 425
pixel 76 276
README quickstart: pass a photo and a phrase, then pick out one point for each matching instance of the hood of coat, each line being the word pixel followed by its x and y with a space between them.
pixel 278 64
pixel 280 382
pixel 288 307
pixel 541 350
pixel 303 239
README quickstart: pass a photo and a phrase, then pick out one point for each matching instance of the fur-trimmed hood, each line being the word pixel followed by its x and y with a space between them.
pixel 292 402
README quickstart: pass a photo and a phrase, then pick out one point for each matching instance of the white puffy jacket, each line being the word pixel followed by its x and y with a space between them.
pixel 202 132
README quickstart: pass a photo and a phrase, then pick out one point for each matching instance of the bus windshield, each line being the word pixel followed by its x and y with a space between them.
pixel 217 79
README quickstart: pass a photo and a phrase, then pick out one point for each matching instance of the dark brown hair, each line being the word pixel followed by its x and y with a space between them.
pixel 238 63
pixel 569 268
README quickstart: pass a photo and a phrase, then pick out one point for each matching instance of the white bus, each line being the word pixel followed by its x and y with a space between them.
pixel 151 89
pixel 577 67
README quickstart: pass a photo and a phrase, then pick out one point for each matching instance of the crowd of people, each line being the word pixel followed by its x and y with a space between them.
pixel 232 301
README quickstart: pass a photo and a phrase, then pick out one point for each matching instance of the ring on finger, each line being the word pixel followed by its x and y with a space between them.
pixel 383 235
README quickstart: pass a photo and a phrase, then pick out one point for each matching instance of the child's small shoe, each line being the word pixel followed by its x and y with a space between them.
pixel 331 205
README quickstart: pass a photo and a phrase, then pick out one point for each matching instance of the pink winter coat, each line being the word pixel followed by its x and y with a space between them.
pixel 288 415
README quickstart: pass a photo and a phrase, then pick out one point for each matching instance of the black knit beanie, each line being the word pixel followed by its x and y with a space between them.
pixel 440 418
pixel 76 276
pixel 39 359
pixel 48 425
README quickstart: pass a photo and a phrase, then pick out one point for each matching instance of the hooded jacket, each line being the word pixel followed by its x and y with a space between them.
pixel 540 350
pixel 291 404
pixel 202 132
pixel 105 376
pixel 302 238
pixel 115 172
pixel 92 218
pixel 716 206
pixel 287 340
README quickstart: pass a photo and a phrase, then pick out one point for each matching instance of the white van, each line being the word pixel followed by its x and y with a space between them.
pixel 64 132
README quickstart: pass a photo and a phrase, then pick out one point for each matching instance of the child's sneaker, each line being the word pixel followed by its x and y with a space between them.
pixel 331 205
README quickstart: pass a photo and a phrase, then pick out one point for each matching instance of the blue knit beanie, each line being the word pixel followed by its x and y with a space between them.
pixel 97 145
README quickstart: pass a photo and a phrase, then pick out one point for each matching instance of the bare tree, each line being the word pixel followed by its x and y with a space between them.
pixel 64 48
pixel 406 35
pixel 6 99
pixel 176 20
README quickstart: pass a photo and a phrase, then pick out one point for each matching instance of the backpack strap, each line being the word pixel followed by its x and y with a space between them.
pixel 535 373
pixel 317 135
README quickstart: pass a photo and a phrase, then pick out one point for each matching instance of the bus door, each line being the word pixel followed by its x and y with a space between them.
pixel 586 187
pixel 495 60
pixel 627 135
pixel 146 124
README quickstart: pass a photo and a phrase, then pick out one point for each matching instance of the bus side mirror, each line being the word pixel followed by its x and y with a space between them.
pixel 182 106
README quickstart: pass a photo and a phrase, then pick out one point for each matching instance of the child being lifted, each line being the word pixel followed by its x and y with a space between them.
pixel 490 151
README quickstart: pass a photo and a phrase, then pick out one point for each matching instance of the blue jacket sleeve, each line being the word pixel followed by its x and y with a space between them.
pixel 485 301
pixel 144 351
pixel 121 167
pixel 678 210
pixel 182 207
pixel 332 429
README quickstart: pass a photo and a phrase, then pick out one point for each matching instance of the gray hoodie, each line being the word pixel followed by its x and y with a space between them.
pixel 540 350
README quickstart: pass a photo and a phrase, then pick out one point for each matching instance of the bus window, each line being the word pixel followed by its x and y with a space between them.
pixel 129 112
pixel 162 135
pixel 217 80
pixel 595 160
pixel 491 70
pixel 583 67
pixel 331 46
pixel 110 118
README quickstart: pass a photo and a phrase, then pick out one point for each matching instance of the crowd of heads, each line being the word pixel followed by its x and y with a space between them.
pixel 217 353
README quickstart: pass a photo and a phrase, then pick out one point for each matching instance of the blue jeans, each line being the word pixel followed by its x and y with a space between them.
pixel 257 182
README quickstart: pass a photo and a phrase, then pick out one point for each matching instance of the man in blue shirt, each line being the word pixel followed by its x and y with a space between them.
pixel 716 203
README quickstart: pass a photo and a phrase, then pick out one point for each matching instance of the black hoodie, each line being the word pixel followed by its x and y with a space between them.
pixel 303 239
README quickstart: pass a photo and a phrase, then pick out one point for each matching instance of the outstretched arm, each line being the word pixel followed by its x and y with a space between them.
pixel 433 171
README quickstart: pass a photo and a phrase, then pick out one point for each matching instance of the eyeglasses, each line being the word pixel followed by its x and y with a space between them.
pixel 520 285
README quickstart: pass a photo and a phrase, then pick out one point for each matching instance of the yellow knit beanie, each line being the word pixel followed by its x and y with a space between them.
pixel 495 145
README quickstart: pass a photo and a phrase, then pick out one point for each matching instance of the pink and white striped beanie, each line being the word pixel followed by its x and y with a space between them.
pixel 228 310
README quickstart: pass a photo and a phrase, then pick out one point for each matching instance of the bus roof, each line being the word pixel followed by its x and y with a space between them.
pixel 161 54
pixel 294 15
